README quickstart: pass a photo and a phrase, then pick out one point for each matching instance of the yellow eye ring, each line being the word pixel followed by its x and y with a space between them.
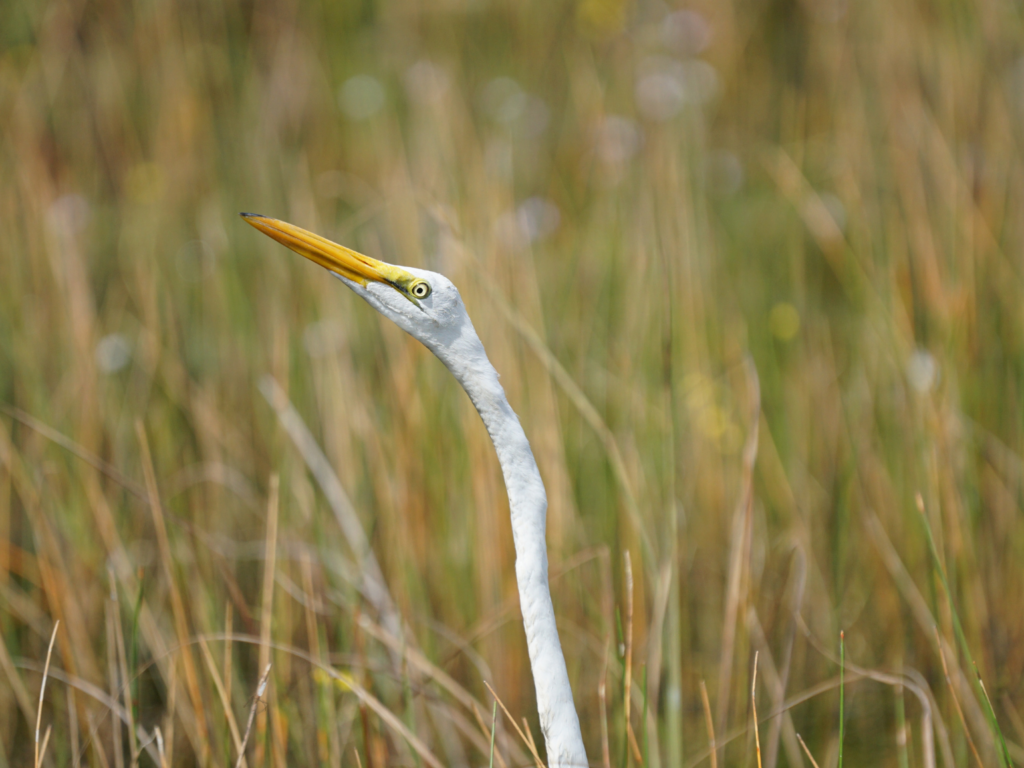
pixel 420 289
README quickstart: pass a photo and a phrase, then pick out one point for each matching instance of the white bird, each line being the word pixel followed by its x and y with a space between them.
pixel 428 307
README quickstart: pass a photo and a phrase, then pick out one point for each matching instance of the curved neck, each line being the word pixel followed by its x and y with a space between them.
pixel 528 505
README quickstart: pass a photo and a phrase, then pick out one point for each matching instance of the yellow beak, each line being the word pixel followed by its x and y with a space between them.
pixel 337 258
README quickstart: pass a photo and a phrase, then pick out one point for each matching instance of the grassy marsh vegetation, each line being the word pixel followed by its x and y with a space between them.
pixel 751 271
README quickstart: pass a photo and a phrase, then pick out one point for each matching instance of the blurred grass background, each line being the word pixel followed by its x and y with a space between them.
pixel 686 233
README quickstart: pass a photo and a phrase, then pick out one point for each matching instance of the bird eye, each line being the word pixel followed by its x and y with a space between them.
pixel 420 290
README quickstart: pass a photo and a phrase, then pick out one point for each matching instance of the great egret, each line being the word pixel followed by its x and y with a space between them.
pixel 428 307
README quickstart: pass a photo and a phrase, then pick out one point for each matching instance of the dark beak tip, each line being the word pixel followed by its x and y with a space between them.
pixel 251 215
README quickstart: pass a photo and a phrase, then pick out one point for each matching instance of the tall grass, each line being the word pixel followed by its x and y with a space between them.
pixel 751 273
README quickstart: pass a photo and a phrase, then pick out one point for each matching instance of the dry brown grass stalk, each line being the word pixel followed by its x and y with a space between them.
pixel 527 741
pixel 753 707
pixel 225 700
pixel 41 751
pixel 709 724
pixel 807 751
pixel 42 694
pixel 531 743
pixel 627 681
pixel 602 698
pixel 739 546
pixel 267 605
pixel 228 677
pixel 772 681
pixel 160 748
pixel 261 688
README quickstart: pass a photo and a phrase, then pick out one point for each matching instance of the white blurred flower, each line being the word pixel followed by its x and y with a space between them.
pixel 664 86
pixel 361 97
pixel 538 218
pixel 922 371
pixel 425 82
pixel 686 32
pixel 660 95
pixel 534 219
pixel 113 353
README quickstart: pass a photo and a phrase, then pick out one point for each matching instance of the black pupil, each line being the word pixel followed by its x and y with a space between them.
pixel 421 290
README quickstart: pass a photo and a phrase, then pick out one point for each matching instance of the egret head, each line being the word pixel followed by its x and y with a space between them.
pixel 424 304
